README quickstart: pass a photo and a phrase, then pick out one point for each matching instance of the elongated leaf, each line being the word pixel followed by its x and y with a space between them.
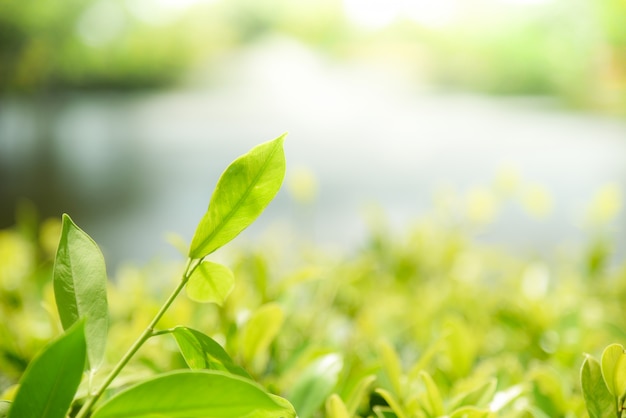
pixel 315 384
pixel 478 397
pixel 202 352
pixel 80 282
pixel 210 282
pixel 433 401
pixel 4 408
pixel 195 394
pixel 260 331
pixel 393 402
pixel 391 366
pixel 359 393
pixel 50 381
pixel 614 369
pixel 600 403
pixel 335 408
pixel 471 412
pixel 243 191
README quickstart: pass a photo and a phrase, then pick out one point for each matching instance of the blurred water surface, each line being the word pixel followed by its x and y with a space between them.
pixel 131 167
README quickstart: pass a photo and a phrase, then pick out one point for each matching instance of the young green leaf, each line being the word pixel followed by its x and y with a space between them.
pixel 195 394
pixel 80 287
pixel 479 396
pixel 614 369
pixel 393 402
pixel 391 366
pixel 202 352
pixel 260 330
pixel 359 393
pixel 315 384
pixel 335 408
pixel 51 380
pixel 433 404
pixel 243 191
pixel 600 403
pixel 471 412
pixel 210 282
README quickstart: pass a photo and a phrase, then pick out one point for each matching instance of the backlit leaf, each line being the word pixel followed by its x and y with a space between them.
pixel 210 282
pixel 202 352
pixel 471 412
pixel 243 191
pixel 80 287
pixel 315 384
pixel 195 394
pixel 393 402
pixel 359 393
pixel 49 384
pixel 260 330
pixel 433 401
pixel 600 403
pixel 335 408
pixel 614 369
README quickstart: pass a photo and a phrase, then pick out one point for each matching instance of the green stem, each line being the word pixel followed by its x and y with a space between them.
pixel 145 335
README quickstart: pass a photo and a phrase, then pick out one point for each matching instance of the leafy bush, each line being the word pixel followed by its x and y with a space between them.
pixel 427 323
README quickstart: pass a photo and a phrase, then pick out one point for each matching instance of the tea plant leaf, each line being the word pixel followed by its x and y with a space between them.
pixel 315 384
pixel 359 393
pixel 479 396
pixel 195 394
pixel 384 412
pixel 600 403
pixel 202 352
pixel 243 191
pixel 51 379
pixel 393 402
pixel 614 369
pixel 391 366
pixel 433 403
pixel 260 330
pixel 210 282
pixel 80 287
pixel 335 408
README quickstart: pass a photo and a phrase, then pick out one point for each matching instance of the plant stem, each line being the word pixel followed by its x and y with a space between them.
pixel 145 335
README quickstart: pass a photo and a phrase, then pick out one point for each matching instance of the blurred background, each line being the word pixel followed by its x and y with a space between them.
pixel 509 113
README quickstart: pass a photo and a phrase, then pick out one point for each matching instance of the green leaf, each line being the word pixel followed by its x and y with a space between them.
pixel 358 394
pixel 243 191
pixel 391 366
pixel 315 384
pixel 433 403
pixel 202 352
pixel 260 330
pixel 393 402
pixel 195 394
pixel 600 403
pixel 51 380
pixel 80 288
pixel 335 408
pixel 384 412
pixel 479 396
pixel 210 282
pixel 614 369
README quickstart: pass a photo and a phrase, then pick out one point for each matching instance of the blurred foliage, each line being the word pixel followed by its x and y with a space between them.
pixel 498 47
pixel 420 323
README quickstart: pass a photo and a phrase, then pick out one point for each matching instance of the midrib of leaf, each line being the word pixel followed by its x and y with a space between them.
pixel 240 201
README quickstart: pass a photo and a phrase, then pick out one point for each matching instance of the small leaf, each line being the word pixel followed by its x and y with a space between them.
pixel 202 352
pixel 479 396
pixel 614 369
pixel 195 394
pixel 260 330
pixel 243 191
pixel 393 402
pixel 315 384
pixel 600 403
pixel 391 366
pixel 80 287
pixel 210 282
pixel 51 380
pixel 358 394
pixel 335 408
pixel 433 401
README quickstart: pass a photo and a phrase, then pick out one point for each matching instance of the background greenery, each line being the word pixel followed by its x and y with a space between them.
pixel 573 50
